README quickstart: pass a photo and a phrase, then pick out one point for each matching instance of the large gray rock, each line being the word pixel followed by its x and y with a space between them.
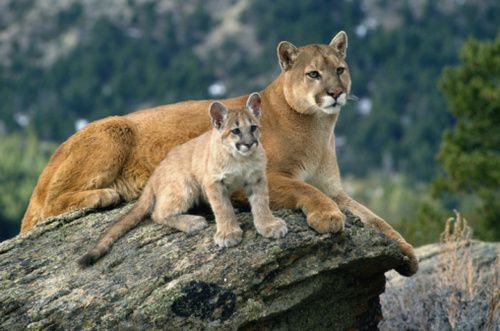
pixel 155 278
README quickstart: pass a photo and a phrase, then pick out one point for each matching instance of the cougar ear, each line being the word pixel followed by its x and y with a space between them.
pixel 253 104
pixel 287 53
pixel 218 114
pixel 339 43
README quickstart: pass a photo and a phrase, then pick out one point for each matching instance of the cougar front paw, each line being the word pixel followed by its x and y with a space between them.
pixel 273 228
pixel 228 238
pixel 326 221
pixel 410 267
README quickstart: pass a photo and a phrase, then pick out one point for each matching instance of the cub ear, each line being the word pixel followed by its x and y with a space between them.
pixel 218 114
pixel 287 53
pixel 339 43
pixel 253 104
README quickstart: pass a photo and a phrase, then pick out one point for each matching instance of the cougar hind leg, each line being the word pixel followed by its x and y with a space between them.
pixel 92 199
pixel 96 157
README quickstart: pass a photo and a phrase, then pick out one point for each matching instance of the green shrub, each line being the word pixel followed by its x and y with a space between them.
pixel 23 157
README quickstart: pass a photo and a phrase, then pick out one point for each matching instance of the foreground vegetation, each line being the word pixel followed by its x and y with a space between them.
pixel 459 294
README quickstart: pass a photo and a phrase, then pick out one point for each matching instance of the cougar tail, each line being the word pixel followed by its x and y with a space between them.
pixel 141 209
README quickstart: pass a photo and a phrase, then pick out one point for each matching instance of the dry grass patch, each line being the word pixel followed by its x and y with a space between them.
pixel 461 292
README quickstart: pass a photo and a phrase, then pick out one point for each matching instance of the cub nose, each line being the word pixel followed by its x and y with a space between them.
pixel 246 145
pixel 335 92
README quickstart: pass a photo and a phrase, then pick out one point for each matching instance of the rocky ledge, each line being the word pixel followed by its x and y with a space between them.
pixel 158 279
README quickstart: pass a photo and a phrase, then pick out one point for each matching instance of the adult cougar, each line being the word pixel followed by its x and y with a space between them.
pixel 110 160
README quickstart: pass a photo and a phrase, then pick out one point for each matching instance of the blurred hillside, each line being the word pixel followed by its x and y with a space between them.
pixel 66 62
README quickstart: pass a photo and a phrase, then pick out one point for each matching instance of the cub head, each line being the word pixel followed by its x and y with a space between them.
pixel 239 129
pixel 316 77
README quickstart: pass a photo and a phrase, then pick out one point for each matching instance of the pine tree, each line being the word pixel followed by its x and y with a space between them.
pixel 470 151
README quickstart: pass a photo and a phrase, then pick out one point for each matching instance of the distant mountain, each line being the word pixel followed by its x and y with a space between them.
pixel 66 62
pixel 44 31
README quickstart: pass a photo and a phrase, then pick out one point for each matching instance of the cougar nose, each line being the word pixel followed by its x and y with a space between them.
pixel 335 92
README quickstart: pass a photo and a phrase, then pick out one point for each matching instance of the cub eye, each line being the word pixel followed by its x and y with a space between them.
pixel 235 131
pixel 253 128
pixel 313 74
pixel 340 71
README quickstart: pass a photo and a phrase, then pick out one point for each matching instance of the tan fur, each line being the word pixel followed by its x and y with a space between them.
pixel 118 154
pixel 210 167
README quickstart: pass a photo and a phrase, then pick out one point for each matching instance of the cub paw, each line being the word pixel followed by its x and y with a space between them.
pixel 195 224
pixel 228 238
pixel 326 221
pixel 274 228
pixel 410 267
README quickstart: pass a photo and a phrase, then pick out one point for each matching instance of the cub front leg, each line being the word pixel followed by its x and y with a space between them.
pixel 228 231
pixel 323 214
pixel 266 224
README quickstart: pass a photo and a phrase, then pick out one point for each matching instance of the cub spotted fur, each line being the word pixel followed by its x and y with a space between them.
pixel 110 160
pixel 210 167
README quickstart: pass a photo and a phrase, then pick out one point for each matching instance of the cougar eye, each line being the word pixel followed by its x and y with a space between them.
pixel 235 131
pixel 313 74
pixel 340 71
pixel 253 128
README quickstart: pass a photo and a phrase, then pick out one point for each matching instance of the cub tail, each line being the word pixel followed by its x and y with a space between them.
pixel 139 211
